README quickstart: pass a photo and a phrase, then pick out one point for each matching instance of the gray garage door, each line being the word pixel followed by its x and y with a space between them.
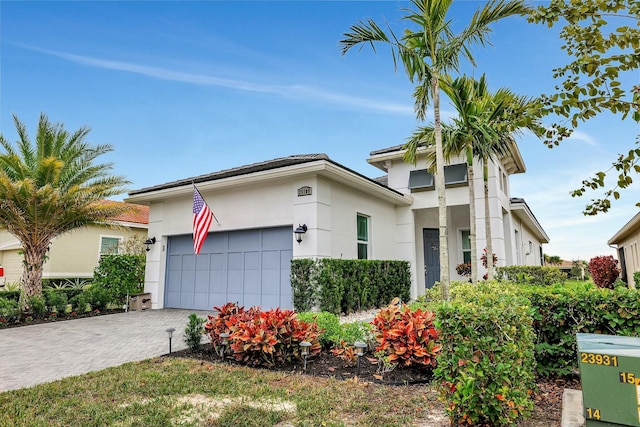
pixel 248 267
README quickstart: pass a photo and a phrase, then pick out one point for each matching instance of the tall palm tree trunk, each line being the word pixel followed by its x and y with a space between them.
pixel 487 218
pixel 32 272
pixel 472 217
pixel 439 183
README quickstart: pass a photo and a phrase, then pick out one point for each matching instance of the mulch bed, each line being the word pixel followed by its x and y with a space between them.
pixel 27 320
pixel 547 398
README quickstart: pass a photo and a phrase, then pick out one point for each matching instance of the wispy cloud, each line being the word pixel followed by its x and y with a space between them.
pixel 578 136
pixel 288 91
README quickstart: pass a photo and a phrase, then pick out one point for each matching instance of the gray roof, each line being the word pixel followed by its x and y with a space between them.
pixel 252 168
pixel 386 150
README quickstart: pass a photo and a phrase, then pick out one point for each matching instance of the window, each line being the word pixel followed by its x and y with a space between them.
pixel 466 246
pixel 109 245
pixel 454 176
pixel 363 236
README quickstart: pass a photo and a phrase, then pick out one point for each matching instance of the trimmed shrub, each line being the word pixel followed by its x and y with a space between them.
pixel 193 332
pixel 531 275
pixel 344 286
pixel 405 336
pixel 486 364
pixel 328 326
pixel 604 270
pixel 560 312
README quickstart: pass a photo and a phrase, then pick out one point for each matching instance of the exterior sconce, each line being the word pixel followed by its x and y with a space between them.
pixel 224 342
pixel 170 332
pixel 360 348
pixel 304 352
pixel 299 232
pixel 149 242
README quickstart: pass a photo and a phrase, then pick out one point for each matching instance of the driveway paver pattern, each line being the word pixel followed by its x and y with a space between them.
pixel 42 353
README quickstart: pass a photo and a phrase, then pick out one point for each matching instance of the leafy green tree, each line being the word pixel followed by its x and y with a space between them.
pixel 484 129
pixel 602 53
pixel 52 186
pixel 428 50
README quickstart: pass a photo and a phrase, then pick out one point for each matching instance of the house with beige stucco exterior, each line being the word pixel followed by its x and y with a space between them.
pixel 77 253
pixel 627 242
pixel 342 213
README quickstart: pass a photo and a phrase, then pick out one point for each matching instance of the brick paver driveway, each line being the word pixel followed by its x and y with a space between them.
pixel 36 354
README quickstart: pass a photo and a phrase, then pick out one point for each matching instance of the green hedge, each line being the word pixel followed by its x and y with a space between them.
pixel 10 295
pixel 343 286
pixel 559 312
pixel 531 275
pixel 486 366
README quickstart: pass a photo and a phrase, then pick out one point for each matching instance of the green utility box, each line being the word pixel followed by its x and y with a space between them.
pixel 610 376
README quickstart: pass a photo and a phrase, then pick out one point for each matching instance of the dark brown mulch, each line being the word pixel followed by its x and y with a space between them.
pixel 547 398
pixel 27 320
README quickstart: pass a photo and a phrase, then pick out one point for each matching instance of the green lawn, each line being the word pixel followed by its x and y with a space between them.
pixel 185 392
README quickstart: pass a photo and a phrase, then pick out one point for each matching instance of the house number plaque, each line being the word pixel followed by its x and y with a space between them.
pixel 304 191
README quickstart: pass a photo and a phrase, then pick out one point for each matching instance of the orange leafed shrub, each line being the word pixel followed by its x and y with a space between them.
pixel 407 337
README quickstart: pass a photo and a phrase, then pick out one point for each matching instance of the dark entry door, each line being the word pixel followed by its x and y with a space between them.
pixel 431 256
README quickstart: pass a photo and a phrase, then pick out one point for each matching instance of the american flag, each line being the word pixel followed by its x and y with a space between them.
pixel 202 217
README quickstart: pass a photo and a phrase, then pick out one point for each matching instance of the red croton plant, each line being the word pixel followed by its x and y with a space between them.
pixel 407 337
pixel 262 337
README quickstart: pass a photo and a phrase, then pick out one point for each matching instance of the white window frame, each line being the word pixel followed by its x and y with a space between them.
pixel 367 242
pixel 106 236
pixel 461 243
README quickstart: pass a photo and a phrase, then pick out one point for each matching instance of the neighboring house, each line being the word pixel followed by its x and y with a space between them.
pixel 246 257
pixel 627 240
pixel 77 253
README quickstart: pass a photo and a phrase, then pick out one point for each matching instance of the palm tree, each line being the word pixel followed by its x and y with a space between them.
pixel 50 187
pixel 484 129
pixel 432 50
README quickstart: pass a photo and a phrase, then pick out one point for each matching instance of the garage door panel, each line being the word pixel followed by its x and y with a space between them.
pixel 244 240
pixel 275 238
pixel 252 282
pixel 217 300
pixel 252 260
pixel 235 261
pixel 201 301
pixel 186 299
pixel 250 267
pixel 202 282
pixel 270 301
pixel 173 299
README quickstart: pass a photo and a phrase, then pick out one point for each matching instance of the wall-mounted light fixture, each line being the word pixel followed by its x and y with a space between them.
pixel 149 242
pixel 299 232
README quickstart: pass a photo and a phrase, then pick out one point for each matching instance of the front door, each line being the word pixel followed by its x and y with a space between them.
pixel 431 256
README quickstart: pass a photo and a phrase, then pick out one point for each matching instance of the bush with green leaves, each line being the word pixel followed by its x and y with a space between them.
pixel 636 279
pixel 38 305
pixel 193 332
pixel 56 301
pixel 328 326
pixel 486 365
pixel 344 286
pixel 531 275
pixel 560 312
pixel 119 275
pixel 9 311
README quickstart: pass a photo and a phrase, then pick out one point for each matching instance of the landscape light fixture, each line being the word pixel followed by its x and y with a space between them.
pixel 170 332
pixel 299 232
pixel 360 348
pixel 149 242
pixel 224 342
pixel 304 352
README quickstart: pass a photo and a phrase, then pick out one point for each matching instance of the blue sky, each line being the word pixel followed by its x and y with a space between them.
pixel 186 88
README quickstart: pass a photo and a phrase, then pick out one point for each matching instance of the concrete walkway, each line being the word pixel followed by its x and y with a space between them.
pixel 42 353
